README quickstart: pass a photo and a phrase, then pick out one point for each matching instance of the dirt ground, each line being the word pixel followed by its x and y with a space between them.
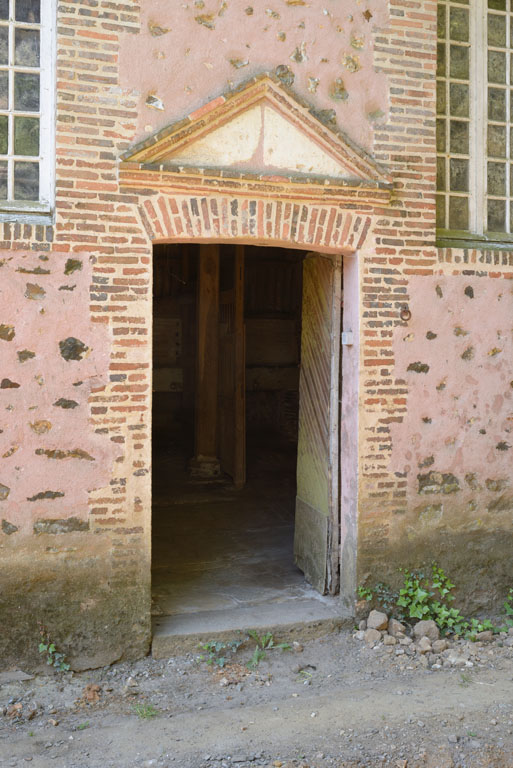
pixel 332 701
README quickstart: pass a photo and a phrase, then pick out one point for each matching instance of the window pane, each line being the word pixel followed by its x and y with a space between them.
pixel 3 180
pixel 26 136
pixel 496 67
pixel 441 21
pixel 28 10
pixel 458 24
pixel 440 135
pixel 440 59
pixel 496 215
pixel 440 211
pixel 460 62
pixel 458 213
pixel 496 30
pixel 496 143
pixel 440 173
pixel 459 137
pixel 26 181
pixel 4 45
pixel 26 92
pixel 4 9
pixel 459 99
pixel 497 104
pixel 496 179
pixel 459 175
pixel 4 86
pixel 441 101
pixel 4 127
pixel 497 5
pixel 26 47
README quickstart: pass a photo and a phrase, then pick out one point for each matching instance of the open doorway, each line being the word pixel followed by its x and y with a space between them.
pixel 243 480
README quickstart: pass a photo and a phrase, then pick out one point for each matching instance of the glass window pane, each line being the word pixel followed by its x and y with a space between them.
pixel 496 143
pixel 26 91
pixel 496 30
pixel 440 211
pixel 4 45
pixel 497 5
pixel 459 99
pixel 441 101
pixel 459 175
pixel 511 183
pixel 459 137
pixel 3 180
pixel 4 86
pixel 496 215
pixel 26 181
pixel 440 135
pixel 458 213
pixel 26 47
pixel 460 62
pixel 26 136
pixel 440 59
pixel 458 24
pixel 441 21
pixel 497 104
pixel 496 179
pixel 4 128
pixel 4 9
pixel 28 10
pixel 496 67
pixel 440 173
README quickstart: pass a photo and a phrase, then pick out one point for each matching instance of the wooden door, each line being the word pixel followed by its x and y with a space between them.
pixel 232 379
pixel 316 536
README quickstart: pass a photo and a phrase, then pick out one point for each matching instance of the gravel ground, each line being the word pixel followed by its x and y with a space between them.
pixel 338 701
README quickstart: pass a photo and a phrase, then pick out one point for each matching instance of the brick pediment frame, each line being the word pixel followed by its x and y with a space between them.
pixel 256 165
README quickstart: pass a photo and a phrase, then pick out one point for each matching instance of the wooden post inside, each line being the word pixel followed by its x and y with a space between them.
pixel 205 462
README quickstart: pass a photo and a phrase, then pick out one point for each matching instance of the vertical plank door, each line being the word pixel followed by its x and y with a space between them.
pixel 232 378
pixel 316 533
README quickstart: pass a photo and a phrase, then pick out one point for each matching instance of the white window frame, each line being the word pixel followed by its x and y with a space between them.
pixel 478 121
pixel 28 210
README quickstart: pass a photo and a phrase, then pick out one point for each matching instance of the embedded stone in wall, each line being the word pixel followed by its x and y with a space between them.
pixel 338 90
pixel 8 528
pixel 41 427
pixel 72 265
pixel 8 384
pixel 25 354
pixel 285 75
pixel 503 504
pixel 4 492
pixel 469 291
pixel 76 453
pixel 496 484
pixel 438 482
pixel 72 348
pixel 503 446
pixel 62 402
pixel 7 332
pixel 418 367
pixel 43 495
pixel 34 292
pixel 430 335
pixel 468 354
pixel 54 526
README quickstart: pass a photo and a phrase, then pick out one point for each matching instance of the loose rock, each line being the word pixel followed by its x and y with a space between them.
pixel 377 620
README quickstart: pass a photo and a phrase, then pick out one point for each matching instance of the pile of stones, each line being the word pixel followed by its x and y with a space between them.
pixel 423 641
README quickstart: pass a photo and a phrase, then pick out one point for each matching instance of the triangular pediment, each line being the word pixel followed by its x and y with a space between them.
pixel 259 129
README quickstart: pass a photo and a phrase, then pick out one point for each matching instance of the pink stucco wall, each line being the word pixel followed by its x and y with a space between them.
pixel 455 357
pixel 188 53
pixel 40 307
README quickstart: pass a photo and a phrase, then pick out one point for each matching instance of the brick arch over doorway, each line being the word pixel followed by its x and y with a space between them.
pixel 292 224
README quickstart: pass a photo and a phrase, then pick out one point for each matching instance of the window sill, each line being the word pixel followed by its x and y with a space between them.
pixel 470 241
pixel 26 212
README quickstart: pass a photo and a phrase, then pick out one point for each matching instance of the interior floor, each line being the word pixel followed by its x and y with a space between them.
pixel 217 548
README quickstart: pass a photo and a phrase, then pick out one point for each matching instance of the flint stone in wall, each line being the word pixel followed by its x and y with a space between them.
pixel 8 528
pixel 7 332
pixel 63 403
pixel 68 525
pixel 438 482
pixel 72 348
pixel 4 492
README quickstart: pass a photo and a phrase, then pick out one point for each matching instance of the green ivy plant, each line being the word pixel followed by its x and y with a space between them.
pixel 54 658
